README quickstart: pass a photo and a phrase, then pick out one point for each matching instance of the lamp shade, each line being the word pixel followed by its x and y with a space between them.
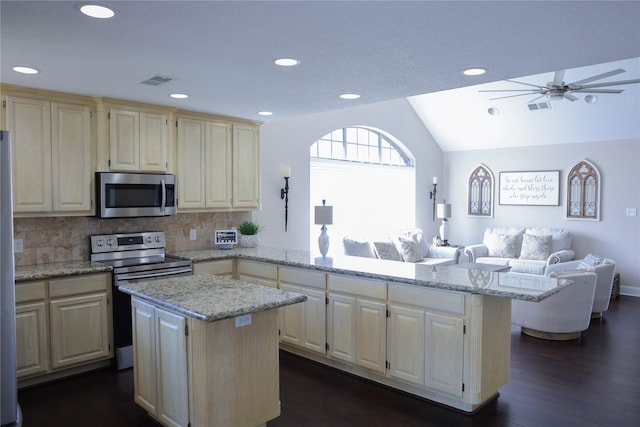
pixel 444 210
pixel 324 215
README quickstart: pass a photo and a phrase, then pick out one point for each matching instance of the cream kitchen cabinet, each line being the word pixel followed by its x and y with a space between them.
pixel 260 273
pixel 304 325
pixel 222 267
pixel 32 338
pixel 137 141
pixel 218 165
pixel 52 156
pixel 63 326
pixel 426 336
pixel 357 322
pixel 160 363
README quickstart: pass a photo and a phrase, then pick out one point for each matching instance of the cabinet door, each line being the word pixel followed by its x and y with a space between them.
pixel 291 319
pixel 220 267
pixel 218 165
pixel 371 325
pixel 144 355
pixel 29 121
pixel 31 339
pixel 342 327
pixel 246 167
pixel 153 142
pixel 315 320
pixel 124 140
pixel 171 365
pixel 191 164
pixel 79 329
pixel 260 273
pixel 443 354
pixel 406 346
pixel 71 157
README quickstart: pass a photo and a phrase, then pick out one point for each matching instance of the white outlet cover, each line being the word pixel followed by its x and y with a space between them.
pixel 244 320
pixel 18 246
pixel 192 234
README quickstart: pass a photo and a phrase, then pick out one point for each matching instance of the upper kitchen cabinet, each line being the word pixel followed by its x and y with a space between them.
pixel 52 153
pixel 218 165
pixel 137 140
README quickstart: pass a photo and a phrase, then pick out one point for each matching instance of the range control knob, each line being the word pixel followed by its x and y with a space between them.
pixel 110 242
pixel 148 239
pixel 99 242
pixel 157 238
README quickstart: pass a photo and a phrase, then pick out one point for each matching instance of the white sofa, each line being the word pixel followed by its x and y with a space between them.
pixel 563 315
pixel 407 245
pixel 605 268
pixel 525 250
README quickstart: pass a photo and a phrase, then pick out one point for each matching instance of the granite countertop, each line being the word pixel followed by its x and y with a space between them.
pixel 58 269
pixel 526 287
pixel 209 297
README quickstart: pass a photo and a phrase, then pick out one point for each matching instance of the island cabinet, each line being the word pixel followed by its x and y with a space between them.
pixel 218 165
pixel 137 140
pixel 304 325
pixel 63 326
pixel 260 273
pixel 54 134
pixel 357 321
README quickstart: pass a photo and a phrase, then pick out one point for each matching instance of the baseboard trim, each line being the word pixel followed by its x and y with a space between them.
pixel 630 291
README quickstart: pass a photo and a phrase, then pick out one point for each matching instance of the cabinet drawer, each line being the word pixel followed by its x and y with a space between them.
pixel 357 286
pixel 299 276
pixel 430 299
pixel 258 269
pixel 223 266
pixel 80 284
pixel 31 291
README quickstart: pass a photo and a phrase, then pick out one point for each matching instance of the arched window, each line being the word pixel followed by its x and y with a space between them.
pixel 480 192
pixel 583 192
pixel 368 176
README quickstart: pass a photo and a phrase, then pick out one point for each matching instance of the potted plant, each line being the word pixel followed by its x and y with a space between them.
pixel 249 234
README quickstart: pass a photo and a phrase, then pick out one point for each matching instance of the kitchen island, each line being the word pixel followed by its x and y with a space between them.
pixel 206 350
pixel 441 333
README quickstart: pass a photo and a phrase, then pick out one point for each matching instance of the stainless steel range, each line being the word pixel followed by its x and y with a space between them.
pixel 133 256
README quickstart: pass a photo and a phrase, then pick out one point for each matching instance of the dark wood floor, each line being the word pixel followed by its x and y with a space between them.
pixel 594 381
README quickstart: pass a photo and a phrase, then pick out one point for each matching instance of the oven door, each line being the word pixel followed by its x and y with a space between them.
pixel 122 333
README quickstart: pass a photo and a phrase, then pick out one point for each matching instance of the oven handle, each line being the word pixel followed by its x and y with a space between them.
pixel 121 277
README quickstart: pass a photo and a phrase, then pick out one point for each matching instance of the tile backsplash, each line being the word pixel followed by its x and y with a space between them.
pixel 58 239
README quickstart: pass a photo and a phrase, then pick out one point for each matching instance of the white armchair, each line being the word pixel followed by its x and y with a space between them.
pixel 563 315
pixel 605 268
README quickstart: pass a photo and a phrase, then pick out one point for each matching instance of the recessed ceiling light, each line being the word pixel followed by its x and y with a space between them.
pixel 265 113
pixel 25 70
pixel 493 111
pixel 95 11
pixel 474 71
pixel 179 95
pixel 349 96
pixel 287 62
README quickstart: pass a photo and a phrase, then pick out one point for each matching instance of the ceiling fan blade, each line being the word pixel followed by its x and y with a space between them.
pixel 598 90
pixel 509 96
pixel 598 77
pixel 508 90
pixel 558 78
pixel 535 99
pixel 523 83
pixel 621 82
pixel 570 97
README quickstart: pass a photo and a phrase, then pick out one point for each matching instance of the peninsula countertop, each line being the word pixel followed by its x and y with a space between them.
pixel 528 287
pixel 209 297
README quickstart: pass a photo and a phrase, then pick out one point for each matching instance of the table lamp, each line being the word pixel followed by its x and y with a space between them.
pixel 323 215
pixel 444 212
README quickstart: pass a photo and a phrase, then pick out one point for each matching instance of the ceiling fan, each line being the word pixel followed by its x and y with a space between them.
pixel 558 89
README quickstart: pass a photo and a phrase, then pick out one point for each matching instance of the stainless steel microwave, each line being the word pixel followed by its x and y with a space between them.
pixel 126 195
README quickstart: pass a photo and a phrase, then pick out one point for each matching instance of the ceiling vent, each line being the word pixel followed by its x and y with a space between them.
pixel 156 80
pixel 539 106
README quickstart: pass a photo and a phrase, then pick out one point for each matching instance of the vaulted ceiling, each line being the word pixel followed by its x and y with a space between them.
pixel 221 53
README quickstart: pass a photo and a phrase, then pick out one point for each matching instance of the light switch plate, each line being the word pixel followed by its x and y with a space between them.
pixel 18 246
pixel 632 212
pixel 192 234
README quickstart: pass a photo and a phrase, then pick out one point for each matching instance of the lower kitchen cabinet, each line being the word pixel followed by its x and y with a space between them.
pixel 160 363
pixel 62 326
pixel 223 267
pixel 260 273
pixel 357 321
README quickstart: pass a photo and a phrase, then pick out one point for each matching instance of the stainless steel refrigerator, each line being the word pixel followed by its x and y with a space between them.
pixel 9 409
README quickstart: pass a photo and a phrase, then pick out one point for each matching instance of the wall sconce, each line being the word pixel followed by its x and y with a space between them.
pixel 284 194
pixel 432 196
pixel 323 215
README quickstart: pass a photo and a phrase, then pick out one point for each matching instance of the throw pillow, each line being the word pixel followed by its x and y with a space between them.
pixel 592 260
pixel 417 235
pixel 361 248
pixel 410 250
pixel 503 245
pixel 387 250
pixel 536 247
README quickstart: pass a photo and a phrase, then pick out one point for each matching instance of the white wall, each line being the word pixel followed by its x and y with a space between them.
pixel 286 143
pixel 615 236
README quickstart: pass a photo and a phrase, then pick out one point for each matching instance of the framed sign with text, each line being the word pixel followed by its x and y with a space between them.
pixel 538 188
